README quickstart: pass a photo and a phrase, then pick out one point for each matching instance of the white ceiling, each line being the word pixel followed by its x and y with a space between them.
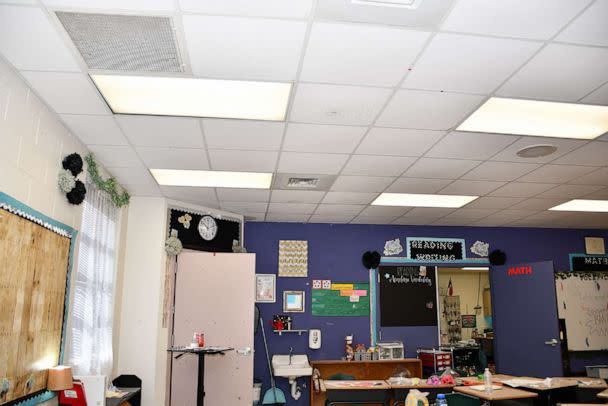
pixel 377 96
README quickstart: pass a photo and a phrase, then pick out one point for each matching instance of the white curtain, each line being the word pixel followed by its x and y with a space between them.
pixel 92 311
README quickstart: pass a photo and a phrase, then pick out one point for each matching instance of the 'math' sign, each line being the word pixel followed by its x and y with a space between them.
pixel 519 270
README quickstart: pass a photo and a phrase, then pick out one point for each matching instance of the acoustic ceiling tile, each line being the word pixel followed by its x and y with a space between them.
pixel 174 158
pixel 243 48
pixel 360 54
pixel 243 134
pixel 396 141
pixel 540 19
pixel 334 104
pixel 476 64
pixel 581 70
pixel 151 131
pixel 427 110
pixel 322 138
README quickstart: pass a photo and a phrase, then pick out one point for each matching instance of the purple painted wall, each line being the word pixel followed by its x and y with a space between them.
pixel 334 252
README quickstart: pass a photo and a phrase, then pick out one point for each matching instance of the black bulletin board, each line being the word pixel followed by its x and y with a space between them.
pixel 408 296
pixel 227 231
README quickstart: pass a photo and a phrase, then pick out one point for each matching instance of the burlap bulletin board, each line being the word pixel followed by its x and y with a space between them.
pixel 35 259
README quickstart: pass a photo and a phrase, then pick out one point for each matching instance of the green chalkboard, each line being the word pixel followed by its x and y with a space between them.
pixel 332 303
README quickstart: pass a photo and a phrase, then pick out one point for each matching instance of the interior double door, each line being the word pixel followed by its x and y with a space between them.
pixel 214 295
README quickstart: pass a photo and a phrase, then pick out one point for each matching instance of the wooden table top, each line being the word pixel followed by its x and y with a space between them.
pixel 375 361
pixel 603 395
pixel 356 385
pixel 505 393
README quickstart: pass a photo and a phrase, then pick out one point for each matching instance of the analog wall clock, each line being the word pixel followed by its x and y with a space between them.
pixel 207 228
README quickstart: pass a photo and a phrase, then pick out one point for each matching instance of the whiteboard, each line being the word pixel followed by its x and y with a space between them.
pixel 582 300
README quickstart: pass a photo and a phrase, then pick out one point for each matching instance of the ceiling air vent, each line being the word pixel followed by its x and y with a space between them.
pixel 298 181
pixel 124 42
pixel 536 151
pixel 303 183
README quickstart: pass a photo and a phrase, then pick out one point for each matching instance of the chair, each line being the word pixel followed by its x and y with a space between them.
pixel 460 399
pixel 129 381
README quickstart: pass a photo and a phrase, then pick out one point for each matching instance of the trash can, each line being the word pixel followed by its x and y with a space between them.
pixel 257 391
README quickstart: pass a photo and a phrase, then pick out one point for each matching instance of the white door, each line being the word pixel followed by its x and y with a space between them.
pixel 214 294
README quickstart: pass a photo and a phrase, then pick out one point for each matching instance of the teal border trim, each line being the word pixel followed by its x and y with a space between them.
pixel 409 261
pixel 460 240
pixel 570 256
pixel 43 397
pixel 373 280
pixel 16 204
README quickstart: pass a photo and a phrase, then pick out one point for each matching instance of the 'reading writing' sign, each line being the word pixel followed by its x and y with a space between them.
pixel 435 249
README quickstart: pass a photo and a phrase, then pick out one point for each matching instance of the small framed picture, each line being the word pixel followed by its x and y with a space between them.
pixel 595 246
pixel 265 288
pixel 293 301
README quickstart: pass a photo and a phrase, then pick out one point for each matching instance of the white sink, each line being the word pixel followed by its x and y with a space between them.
pixel 299 366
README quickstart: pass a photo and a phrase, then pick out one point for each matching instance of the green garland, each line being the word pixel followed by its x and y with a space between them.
pixel 109 185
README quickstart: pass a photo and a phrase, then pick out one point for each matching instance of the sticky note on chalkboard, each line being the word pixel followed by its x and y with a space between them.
pixel 354 299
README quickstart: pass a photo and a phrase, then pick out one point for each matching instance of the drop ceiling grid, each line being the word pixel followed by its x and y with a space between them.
pixel 178 12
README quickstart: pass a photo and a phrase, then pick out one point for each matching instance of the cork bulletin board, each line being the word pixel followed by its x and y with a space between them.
pixel 35 258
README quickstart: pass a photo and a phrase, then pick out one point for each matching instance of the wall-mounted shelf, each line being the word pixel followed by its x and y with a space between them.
pixel 300 332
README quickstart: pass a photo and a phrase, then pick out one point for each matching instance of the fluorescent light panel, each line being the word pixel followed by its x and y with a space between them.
pixel 421 200
pixel 411 4
pixel 538 118
pixel 476 268
pixel 176 177
pixel 193 97
pixel 598 206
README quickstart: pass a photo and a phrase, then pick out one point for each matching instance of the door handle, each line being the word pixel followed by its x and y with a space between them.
pixel 245 351
pixel 552 342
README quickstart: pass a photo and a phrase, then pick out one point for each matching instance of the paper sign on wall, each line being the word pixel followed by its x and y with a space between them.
pixel 293 258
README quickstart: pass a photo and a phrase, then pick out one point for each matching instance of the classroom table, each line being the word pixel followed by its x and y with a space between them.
pixel 496 395
pixel 201 352
pixel 603 394
pixel 128 393
pixel 400 391
pixel 357 392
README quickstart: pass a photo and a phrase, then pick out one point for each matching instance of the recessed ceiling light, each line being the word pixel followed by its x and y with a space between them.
pixel 177 177
pixel 420 200
pixel 194 97
pixel 413 4
pixel 475 268
pixel 600 206
pixel 538 118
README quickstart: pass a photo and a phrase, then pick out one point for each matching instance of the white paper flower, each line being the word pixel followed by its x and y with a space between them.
pixel 480 248
pixel 173 245
pixel 66 180
pixel 393 247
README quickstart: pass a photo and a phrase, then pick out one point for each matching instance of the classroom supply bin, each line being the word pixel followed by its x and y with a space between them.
pixel 597 371
pixel 434 361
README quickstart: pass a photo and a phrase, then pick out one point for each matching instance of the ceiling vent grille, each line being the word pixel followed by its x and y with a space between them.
pixel 123 42
pixel 303 183
pixel 299 181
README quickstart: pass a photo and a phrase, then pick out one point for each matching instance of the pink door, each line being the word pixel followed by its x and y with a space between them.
pixel 214 294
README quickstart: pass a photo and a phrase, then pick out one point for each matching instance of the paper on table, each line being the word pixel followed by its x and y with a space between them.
pixel 482 388
pixel 517 382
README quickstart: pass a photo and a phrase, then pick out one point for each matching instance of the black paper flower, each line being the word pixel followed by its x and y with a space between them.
pixel 497 257
pixel 73 163
pixel 76 195
pixel 371 260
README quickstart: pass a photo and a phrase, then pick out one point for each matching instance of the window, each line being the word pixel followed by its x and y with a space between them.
pixel 92 310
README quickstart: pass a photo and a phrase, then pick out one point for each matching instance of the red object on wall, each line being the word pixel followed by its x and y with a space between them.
pixel 519 270
pixel 74 396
